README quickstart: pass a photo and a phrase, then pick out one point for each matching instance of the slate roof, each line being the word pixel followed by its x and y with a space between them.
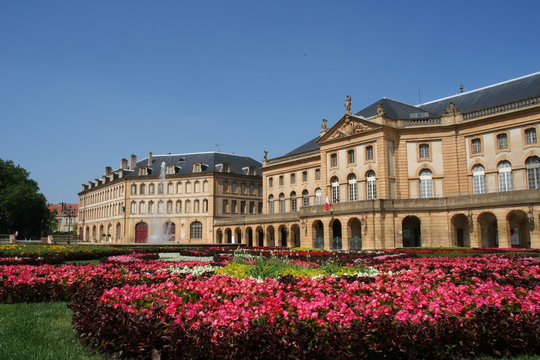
pixel 309 146
pixel 395 110
pixel 184 163
pixel 489 96
pixel 498 94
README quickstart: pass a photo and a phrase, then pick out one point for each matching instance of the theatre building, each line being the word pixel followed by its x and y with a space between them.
pixel 459 171
pixel 169 198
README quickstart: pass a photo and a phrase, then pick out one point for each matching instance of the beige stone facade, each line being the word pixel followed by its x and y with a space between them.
pixel 401 175
pixel 169 198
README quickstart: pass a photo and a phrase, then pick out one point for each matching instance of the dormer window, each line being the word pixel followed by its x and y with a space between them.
pixel 143 171
pixel 171 170
pixel 226 167
pixel 197 168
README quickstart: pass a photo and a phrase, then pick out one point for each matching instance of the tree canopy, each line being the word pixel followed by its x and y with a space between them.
pixel 23 208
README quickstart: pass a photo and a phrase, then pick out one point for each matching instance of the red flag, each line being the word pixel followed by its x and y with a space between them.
pixel 327 204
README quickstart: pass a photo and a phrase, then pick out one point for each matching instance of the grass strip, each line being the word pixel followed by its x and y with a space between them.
pixel 39 331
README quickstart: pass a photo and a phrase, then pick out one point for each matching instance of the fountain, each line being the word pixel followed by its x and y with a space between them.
pixel 161 233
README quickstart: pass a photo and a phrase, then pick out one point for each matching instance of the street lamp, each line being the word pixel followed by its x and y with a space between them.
pixel 70 213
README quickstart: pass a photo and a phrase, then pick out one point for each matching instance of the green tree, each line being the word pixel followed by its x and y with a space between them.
pixel 22 207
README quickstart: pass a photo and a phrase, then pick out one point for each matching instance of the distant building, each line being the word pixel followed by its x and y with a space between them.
pixel 459 171
pixel 169 198
pixel 66 216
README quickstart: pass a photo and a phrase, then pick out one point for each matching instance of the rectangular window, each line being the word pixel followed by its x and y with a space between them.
pixel 369 153
pixel 424 151
pixel 234 207
pixel 242 207
pixel 350 156
pixel 502 141
pixel 304 176
pixel 476 146
pixel 333 160
pixel 530 136
pixel 293 203
pixel 317 174
pixel 252 207
pixel 270 182
pixel 293 178
pixel 281 180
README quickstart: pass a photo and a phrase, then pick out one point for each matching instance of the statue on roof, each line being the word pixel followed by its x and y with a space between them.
pixel 451 109
pixel 323 125
pixel 380 109
pixel 265 157
pixel 348 104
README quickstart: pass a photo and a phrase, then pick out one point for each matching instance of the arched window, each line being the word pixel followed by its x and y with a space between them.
pixel 335 190
pixel 142 209
pixel 281 202
pixel 318 196
pixel 352 187
pixel 151 207
pixel 142 189
pixel 426 184
pixel 197 187
pixel 179 188
pixel 170 188
pixel 160 188
pixel 160 207
pixel 271 204
pixel 205 186
pixel 533 172
pixel 196 206
pixel 133 207
pixel 169 207
pixel 293 201
pixel 187 206
pixel 479 179
pixel 195 230
pixel 178 206
pixel 305 198
pixel 369 153
pixel 151 188
pixel 133 189
pixel 505 176
pixel 205 205
pixel 371 185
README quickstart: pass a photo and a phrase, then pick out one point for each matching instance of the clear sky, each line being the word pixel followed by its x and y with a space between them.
pixel 86 83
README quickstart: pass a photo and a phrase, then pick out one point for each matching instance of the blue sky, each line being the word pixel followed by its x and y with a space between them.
pixel 86 83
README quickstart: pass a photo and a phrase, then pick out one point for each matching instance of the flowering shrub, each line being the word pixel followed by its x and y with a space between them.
pixel 437 308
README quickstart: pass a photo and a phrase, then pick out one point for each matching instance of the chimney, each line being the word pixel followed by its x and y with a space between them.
pixel 108 171
pixel 123 164
pixel 133 162
pixel 149 159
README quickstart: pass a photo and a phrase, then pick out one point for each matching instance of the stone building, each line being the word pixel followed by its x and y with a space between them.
pixel 169 198
pixel 66 216
pixel 459 171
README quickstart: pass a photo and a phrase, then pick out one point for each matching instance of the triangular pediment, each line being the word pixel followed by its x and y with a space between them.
pixel 349 125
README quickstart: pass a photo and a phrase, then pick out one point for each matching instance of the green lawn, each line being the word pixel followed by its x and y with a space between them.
pixel 39 331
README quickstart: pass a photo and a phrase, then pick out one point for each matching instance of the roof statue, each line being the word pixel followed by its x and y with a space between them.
pixel 265 157
pixel 323 124
pixel 451 109
pixel 348 104
pixel 380 109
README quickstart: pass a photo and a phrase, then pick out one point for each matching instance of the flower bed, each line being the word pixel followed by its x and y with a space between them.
pixel 425 308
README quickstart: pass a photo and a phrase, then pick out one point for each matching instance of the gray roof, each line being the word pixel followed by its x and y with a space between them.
pixel 394 110
pixel 209 160
pixel 489 96
pixel 309 146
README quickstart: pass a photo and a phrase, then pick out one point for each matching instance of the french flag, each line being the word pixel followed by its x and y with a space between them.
pixel 327 204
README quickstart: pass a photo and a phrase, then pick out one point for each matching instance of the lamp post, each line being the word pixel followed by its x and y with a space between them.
pixel 70 213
